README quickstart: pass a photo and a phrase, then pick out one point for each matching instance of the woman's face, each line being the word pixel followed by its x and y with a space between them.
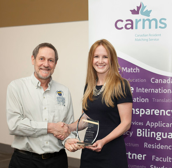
pixel 101 61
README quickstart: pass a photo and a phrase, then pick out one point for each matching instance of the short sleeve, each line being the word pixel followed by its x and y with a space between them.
pixel 127 98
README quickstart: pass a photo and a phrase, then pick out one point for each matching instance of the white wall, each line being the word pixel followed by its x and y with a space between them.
pixel 16 46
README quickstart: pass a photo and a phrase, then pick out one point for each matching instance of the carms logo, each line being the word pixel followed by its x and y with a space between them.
pixel 144 23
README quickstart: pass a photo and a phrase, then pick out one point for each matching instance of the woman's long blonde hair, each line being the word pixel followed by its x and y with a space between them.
pixel 114 80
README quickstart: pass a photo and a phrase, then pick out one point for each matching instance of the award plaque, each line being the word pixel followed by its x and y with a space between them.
pixel 87 130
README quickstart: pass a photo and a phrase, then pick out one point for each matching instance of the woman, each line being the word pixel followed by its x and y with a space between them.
pixel 107 98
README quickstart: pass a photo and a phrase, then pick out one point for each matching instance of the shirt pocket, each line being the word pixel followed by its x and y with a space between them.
pixel 59 113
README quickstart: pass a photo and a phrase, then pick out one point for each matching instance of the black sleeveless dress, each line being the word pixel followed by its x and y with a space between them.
pixel 113 154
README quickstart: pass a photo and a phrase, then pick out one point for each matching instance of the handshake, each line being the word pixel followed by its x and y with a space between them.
pixel 61 131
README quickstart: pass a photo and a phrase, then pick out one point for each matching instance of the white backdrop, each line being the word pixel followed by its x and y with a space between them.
pixel 103 15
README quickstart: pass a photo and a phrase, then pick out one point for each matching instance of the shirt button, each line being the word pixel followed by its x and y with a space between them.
pixel 45 119
pixel 44 97
pixel 44 107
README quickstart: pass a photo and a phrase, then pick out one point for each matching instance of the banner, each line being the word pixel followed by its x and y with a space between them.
pixel 141 32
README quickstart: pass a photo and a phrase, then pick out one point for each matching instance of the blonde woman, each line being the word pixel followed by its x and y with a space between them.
pixel 107 98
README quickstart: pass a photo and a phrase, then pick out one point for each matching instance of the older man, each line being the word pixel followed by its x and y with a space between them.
pixel 38 111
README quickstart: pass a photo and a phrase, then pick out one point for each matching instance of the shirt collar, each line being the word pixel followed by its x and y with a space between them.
pixel 37 83
pixel 50 83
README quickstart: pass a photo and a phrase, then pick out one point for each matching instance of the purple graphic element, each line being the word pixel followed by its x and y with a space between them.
pixel 148 142
pixel 140 9
pixel 136 12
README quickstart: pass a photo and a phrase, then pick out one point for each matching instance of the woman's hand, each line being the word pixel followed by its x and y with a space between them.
pixel 97 146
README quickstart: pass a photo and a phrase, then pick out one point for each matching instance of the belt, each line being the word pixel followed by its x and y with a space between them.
pixel 41 156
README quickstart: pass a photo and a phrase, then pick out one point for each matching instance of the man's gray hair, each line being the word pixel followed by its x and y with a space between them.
pixel 42 45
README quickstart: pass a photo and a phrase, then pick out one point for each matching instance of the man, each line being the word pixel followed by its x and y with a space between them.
pixel 38 111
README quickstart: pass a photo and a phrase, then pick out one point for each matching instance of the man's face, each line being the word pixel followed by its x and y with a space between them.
pixel 44 64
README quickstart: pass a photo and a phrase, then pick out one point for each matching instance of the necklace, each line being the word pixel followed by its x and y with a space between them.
pixel 98 92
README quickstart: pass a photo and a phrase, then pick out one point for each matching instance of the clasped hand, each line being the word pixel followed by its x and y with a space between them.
pixel 60 130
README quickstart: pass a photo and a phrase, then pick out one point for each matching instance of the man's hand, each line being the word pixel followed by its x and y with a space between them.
pixel 71 145
pixel 60 130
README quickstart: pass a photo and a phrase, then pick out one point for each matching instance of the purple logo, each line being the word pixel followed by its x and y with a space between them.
pixel 141 10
